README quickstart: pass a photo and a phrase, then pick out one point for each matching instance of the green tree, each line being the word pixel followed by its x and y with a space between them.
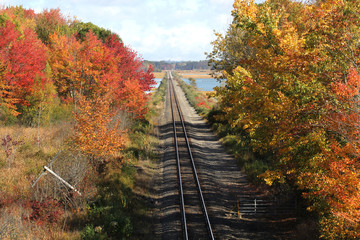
pixel 83 28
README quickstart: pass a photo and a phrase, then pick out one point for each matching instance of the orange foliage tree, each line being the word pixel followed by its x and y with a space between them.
pixel 97 132
pixel 334 182
pixel 286 66
pixel 8 100
pixel 23 59
pixel 132 99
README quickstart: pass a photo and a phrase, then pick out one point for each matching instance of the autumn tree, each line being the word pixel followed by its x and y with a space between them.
pixel 64 62
pixel 23 58
pixel 80 68
pixel 132 98
pixel 49 22
pixel 97 132
pixel 50 66
pixel 333 181
pixel 88 72
pixel 283 62
pixel 7 99
pixel 84 62
pixel 21 17
pixel 129 64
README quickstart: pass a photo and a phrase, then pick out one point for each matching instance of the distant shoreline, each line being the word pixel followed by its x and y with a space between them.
pixel 188 74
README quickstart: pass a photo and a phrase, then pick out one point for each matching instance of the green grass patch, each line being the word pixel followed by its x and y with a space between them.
pixel 160 93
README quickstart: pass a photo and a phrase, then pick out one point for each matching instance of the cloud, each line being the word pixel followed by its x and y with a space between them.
pixel 220 2
pixel 156 29
pixel 183 31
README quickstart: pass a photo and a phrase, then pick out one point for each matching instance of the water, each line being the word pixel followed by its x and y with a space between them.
pixel 205 84
pixel 158 81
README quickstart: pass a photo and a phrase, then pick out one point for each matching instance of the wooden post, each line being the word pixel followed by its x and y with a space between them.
pixel 238 209
pixel 255 205
pixel 44 172
pixel 62 180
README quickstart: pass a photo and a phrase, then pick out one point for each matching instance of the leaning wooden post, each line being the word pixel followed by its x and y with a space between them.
pixel 62 180
pixel 44 172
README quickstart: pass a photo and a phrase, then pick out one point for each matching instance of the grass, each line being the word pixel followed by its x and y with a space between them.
pixel 112 206
pixel 195 73
pixel 24 152
pixel 35 147
pixel 188 74
pixel 159 74
pixel 238 142
pixel 199 100
pixel 158 98
pixel 122 207
pixel 143 147
pixel 129 188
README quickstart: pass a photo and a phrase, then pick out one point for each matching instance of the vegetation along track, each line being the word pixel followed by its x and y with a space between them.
pixel 195 219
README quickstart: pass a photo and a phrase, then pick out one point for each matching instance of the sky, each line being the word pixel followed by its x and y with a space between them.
pixel 174 30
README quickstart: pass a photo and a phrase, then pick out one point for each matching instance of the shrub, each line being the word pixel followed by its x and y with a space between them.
pixel 46 212
pixel 91 233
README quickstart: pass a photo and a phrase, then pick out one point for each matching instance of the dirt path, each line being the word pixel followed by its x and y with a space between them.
pixel 220 178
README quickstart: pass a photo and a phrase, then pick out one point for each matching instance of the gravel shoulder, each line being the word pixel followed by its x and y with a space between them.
pixel 221 180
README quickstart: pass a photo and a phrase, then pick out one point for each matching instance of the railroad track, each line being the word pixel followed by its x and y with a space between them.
pixel 194 215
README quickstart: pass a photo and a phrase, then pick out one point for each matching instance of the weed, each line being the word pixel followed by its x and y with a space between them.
pixel 45 212
pixel 91 233
pixel 159 96
pixel 10 145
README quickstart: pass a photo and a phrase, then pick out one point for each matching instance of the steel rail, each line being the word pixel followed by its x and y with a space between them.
pixel 181 192
pixel 203 205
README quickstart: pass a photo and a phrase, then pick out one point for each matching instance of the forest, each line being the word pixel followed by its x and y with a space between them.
pixel 292 98
pixel 71 95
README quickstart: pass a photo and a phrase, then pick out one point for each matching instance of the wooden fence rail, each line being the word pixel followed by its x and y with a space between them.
pixel 250 206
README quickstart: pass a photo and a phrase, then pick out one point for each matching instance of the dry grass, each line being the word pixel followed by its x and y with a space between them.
pixel 159 74
pixel 187 74
pixel 13 226
pixel 19 167
pixel 23 162
pixel 195 74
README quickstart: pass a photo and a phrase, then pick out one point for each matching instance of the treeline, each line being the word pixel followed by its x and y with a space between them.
pixel 292 94
pixel 181 65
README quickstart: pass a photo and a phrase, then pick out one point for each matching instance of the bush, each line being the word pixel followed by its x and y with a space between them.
pixel 47 212
pixel 6 118
pixel 91 233
pixel 254 168
pixel 112 223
